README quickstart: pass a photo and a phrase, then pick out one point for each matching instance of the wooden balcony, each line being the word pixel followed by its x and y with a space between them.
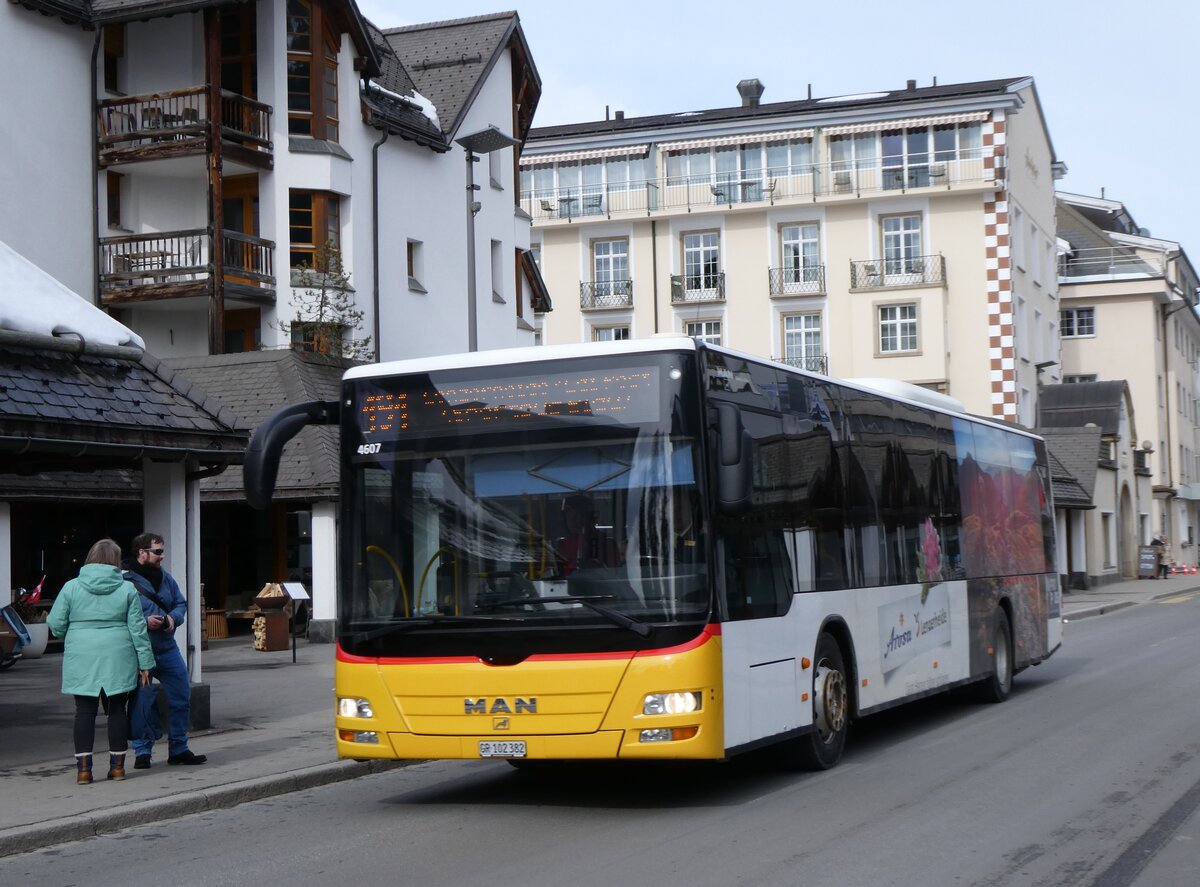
pixel 178 124
pixel 178 264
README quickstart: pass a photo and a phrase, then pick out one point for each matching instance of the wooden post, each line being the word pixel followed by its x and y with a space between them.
pixel 216 215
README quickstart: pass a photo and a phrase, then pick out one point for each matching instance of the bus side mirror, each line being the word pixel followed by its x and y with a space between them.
pixel 266 447
pixel 735 449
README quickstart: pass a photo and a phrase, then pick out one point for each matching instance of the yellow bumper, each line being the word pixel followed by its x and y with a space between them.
pixel 567 708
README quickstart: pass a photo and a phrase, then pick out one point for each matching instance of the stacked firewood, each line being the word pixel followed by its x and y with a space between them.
pixel 270 600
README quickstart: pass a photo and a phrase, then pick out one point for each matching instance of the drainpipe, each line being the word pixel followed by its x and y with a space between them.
pixel 95 172
pixel 375 233
pixel 654 267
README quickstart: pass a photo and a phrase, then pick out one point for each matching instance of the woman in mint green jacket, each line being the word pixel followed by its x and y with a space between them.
pixel 106 653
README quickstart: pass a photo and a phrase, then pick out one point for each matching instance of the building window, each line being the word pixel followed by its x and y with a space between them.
pixel 322 338
pixel 902 244
pixel 239 50
pixel 802 341
pixel 707 331
pixel 312 49
pixel 114 180
pixel 897 328
pixel 800 248
pixel 535 253
pixel 415 262
pixel 1074 378
pixel 1077 322
pixel 497 271
pixel 114 51
pixel 1106 523
pixel 610 266
pixel 701 261
pixel 610 333
pixel 314 220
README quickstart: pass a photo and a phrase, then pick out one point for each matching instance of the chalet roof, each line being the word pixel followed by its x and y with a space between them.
pixel 449 60
pixel 253 386
pixel 821 106
pixel 79 393
pixel 1080 403
pixel 394 107
pixel 1068 492
pixel 1077 452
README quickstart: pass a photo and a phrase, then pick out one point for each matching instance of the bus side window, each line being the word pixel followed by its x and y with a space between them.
pixel 757 575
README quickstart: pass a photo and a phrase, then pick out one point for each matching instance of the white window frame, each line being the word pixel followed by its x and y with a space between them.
pixel 799 256
pixel 903 320
pixel 609 264
pixel 701 260
pixel 616 332
pixel 1069 318
pixel 708 331
pixel 805 342
pixel 903 246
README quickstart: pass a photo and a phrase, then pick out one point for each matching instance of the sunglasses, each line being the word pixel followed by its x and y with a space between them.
pixel 158 551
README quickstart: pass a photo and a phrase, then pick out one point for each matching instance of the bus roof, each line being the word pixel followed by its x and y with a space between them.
pixel 536 354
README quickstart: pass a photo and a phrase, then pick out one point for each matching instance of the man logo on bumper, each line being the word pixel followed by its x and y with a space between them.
pixel 500 706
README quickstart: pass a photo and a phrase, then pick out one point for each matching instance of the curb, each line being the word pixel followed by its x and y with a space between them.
pixel 40 835
pixel 1100 610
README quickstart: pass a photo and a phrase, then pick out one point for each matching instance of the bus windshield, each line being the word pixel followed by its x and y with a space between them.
pixel 504 517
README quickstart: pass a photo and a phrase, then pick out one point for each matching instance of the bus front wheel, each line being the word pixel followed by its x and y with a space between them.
pixel 822 748
pixel 996 686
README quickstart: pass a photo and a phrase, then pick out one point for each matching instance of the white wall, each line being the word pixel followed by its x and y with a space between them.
pixel 46 175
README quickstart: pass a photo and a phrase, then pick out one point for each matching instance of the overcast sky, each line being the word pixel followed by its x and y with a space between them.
pixel 1119 82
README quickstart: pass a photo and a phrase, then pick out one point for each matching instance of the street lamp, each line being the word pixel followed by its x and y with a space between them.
pixel 483 142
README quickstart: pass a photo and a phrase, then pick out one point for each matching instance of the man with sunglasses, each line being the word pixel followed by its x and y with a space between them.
pixel 165 608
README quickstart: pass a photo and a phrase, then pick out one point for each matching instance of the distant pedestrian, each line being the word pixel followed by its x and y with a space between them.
pixel 165 609
pixel 106 653
pixel 1159 543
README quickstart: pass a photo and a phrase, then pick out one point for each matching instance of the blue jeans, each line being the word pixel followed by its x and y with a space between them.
pixel 171 671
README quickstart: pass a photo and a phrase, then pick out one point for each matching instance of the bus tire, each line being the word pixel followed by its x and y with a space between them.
pixel 997 685
pixel 821 748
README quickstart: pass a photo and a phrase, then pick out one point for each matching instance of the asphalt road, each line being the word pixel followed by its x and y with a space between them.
pixel 1088 775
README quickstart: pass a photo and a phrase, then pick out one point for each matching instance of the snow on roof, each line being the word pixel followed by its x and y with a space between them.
pixel 33 302
pixel 427 108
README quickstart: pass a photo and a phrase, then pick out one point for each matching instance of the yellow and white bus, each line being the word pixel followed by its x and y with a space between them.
pixel 662 549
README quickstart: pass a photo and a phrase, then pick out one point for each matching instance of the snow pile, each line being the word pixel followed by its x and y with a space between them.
pixel 427 108
pixel 31 301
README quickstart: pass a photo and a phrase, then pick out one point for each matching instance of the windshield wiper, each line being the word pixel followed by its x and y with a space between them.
pixel 408 624
pixel 641 629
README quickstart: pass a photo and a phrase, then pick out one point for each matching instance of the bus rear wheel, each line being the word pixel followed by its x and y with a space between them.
pixel 822 748
pixel 996 686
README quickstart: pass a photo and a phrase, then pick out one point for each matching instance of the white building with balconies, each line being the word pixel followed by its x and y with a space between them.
pixel 907 234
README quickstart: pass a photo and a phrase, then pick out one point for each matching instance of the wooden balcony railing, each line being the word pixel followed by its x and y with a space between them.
pixel 175 264
pixel 177 122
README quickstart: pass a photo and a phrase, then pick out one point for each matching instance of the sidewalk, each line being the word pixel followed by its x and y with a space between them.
pixel 272 734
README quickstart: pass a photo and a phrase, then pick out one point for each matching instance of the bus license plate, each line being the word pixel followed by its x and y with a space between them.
pixel 513 748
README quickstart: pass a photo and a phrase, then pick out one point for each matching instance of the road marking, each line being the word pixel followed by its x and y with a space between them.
pixel 1177 600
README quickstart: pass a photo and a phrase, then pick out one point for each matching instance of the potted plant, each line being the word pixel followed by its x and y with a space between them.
pixel 34 617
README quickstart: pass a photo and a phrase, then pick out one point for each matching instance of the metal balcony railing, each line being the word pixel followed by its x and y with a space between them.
pixel 1109 262
pixel 908 271
pixel 687 288
pixel 805 182
pixel 606 294
pixel 817 363
pixel 797 281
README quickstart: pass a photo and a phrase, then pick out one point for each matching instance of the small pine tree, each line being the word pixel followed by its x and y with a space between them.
pixel 326 314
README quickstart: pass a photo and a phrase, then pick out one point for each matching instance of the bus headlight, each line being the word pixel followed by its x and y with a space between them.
pixel 671 703
pixel 355 708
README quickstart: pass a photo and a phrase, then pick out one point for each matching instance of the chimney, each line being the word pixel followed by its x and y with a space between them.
pixel 912 84
pixel 618 115
pixel 750 91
